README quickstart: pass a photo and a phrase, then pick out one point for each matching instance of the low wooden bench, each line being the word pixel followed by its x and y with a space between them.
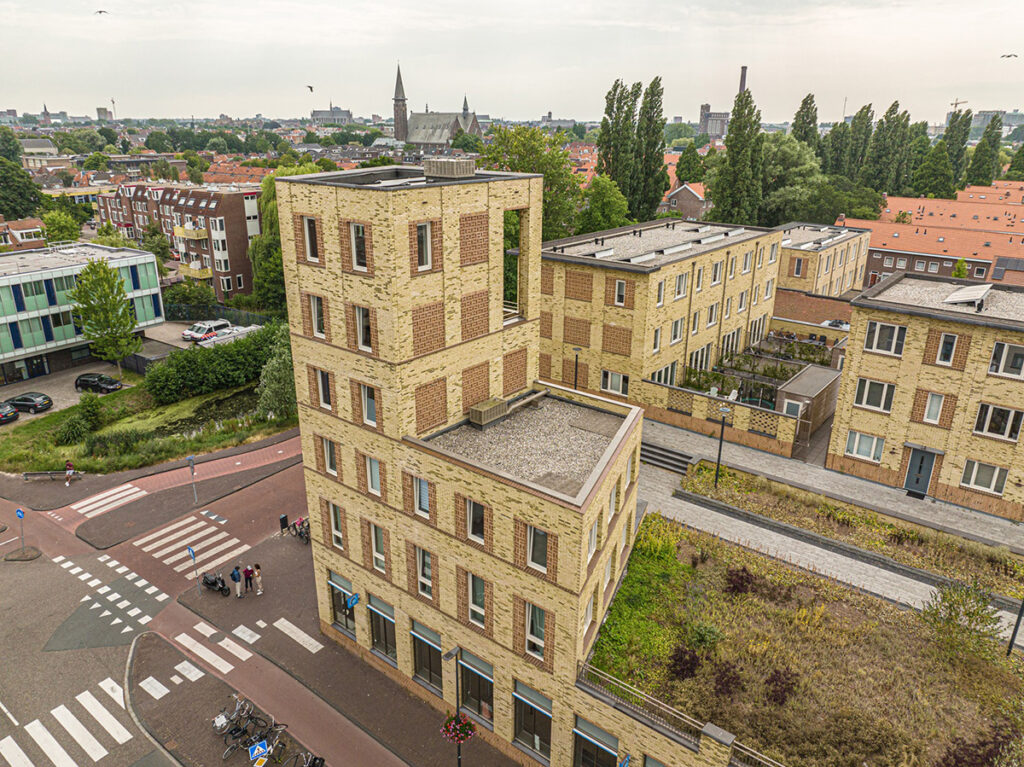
pixel 50 475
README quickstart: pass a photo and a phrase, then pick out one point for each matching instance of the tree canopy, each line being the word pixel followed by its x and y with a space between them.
pixel 675 132
pixel 95 161
pixel 606 207
pixel 10 149
pixel 735 181
pixel 616 157
pixel 468 142
pixel 104 313
pixel 60 226
pixel 689 166
pixel 805 122
pixel 651 179
pixel 958 129
pixel 984 165
pixel 934 176
pixel 788 169
pixel 19 197
pixel 1016 170
pixel 883 167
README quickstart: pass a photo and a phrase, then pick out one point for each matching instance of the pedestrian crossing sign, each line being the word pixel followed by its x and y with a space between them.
pixel 260 762
pixel 260 749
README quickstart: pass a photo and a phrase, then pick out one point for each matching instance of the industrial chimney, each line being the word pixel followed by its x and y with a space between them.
pixel 743 78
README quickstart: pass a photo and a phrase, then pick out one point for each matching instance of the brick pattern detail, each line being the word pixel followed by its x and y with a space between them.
pixel 545 365
pixel 519 552
pixel 960 351
pixel 545 324
pixel 579 285
pixel 300 240
pixel 356 395
pixel 475 315
pixel 412 576
pixel 368 551
pixel 547 280
pixel 519 634
pixel 314 389
pixel 805 307
pixel 428 328
pixel 476 385
pixel 326 525
pixel 921 403
pixel 409 498
pixel 473 238
pixel 361 479
pixel 462 584
pixel 609 291
pixel 616 340
pixel 345 247
pixel 352 337
pixel 792 270
pixel 569 372
pixel 461 522
pixel 431 404
pixel 513 372
pixel 321 460
pixel 436 248
pixel 576 331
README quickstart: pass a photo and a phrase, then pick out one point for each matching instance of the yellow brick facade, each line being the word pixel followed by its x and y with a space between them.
pixel 830 271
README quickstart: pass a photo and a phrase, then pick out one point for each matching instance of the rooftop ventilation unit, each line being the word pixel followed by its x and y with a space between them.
pixel 673 249
pixel 971 294
pixel 711 238
pixel 487 412
pixel 606 253
pixel 642 258
pixel 704 228
pixel 734 232
pixel 449 167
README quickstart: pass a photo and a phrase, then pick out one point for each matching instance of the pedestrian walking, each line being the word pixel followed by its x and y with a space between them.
pixel 69 472
pixel 258 574
pixel 236 577
pixel 247 572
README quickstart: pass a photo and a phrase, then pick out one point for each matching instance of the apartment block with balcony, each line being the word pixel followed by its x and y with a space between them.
pixel 470 523
pixel 931 391
pixel 37 333
pixel 823 260
pixel 209 228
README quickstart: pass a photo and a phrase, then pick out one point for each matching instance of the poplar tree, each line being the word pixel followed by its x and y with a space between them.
pixel 885 162
pixel 736 182
pixel 985 160
pixel 958 129
pixel 689 167
pixel 835 155
pixel 1016 170
pixel 615 156
pixel 650 179
pixel 860 139
pixel 805 122
pixel 934 176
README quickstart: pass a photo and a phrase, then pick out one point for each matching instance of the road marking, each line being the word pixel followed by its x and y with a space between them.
pixel 187 670
pixel 112 596
pixel 161 597
pixel 75 570
pixel 105 719
pixel 112 499
pixel 182 533
pixel 121 570
pixel 205 629
pixel 50 747
pixel 60 558
pixel 163 531
pixel 184 552
pixel 86 598
pixel 100 496
pixel 112 563
pixel 113 689
pixel 220 560
pixel 12 752
pixel 207 554
pixel 133 612
pixel 189 540
pixel 235 649
pixel 66 564
pixel 152 590
pixel 210 657
pixel 105 613
pixel 153 687
pixel 104 558
pixel 131 576
pixel 85 576
pixel 103 590
pixel 215 517
pixel 94 606
pixel 94 583
pixel 77 730
pixel 176 679
pixel 9 540
pixel 261 624
pixel 245 634
pixel 9 715
pixel 115 622
pixel 141 582
pixel 123 603
pixel 300 636
pixel 145 619
pixel 126 629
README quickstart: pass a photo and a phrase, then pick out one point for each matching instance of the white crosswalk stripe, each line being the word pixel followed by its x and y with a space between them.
pixel 103 717
pixel 108 500
pixel 211 543
pixel 200 650
pixel 12 752
pixel 113 689
pixel 77 730
pixel 49 745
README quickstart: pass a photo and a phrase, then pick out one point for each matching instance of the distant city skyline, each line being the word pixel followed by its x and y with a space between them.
pixel 513 62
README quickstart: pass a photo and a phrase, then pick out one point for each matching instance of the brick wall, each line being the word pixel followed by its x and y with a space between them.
pixel 476 385
pixel 547 280
pixel 428 328
pixel 431 405
pixel 545 324
pixel 544 365
pixel 475 315
pixel 609 291
pixel 356 395
pixel 579 285
pixel 473 235
pixel 345 247
pixel 569 373
pixel 436 247
pixel 804 307
pixel 616 339
pixel 960 351
pixel 576 331
pixel 513 372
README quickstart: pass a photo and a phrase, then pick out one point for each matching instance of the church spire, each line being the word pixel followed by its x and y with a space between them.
pixel 399 88
pixel 465 106
pixel 401 121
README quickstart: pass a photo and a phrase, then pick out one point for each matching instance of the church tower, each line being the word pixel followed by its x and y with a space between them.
pixel 401 113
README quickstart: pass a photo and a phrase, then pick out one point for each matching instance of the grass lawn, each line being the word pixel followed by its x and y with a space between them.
pixel 994 568
pixel 799 668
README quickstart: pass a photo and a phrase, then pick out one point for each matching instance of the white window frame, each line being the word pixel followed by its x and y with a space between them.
pixel 969 478
pixel 748 260
pixel 732 267
pixel 616 383
pixel 607 572
pixel 657 341
pixel 337 536
pixel 372 467
pixel 897 339
pixel 875 446
pixel 936 401
pixel 477 613
pixel 592 540
pixel 470 505
pixel 306 221
pixel 613 501
pixel 712 315
pixel 362 318
pixel 661 294
pixel 588 613
pixel 352 229
pixel 323 385
pixel 716 273
pixel 377 547
pixel 330 456
pixel 421 497
pixel 741 302
pixel 798 266
pixel 695 323
pixel 919 265
pixel 773 253
pixel 952 349
pixel 239 282
pixel 367 394
pixel 1002 350
pixel 619 298
pixel 681 280
pixel 768 288
pixel 698 280
pixel 316 311
pixel 677 331
pixel 424 255
pixel 863 391
pixel 424 571
pixel 534 641
pixel 531 533
pixel 887 262
pixel 1011 431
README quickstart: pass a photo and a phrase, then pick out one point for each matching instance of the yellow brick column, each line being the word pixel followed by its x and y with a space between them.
pixel 715 746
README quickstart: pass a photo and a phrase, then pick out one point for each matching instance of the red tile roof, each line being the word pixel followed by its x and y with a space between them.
pixel 999 193
pixel 970 214
pixel 941 241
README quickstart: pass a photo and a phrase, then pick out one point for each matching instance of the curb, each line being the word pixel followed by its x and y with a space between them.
pixel 131 708
pixel 927 577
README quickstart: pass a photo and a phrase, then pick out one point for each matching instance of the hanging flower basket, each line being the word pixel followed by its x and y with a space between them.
pixel 458 728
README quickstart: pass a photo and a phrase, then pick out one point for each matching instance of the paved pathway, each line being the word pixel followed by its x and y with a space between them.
pixel 939 515
pixel 657 486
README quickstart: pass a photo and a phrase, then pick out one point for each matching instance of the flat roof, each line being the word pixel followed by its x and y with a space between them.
pixel 811 380
pixel 816 236
pixel 388 177
pixel 650 245
pixel 76 254
pixel 552 443
pixel 1002 306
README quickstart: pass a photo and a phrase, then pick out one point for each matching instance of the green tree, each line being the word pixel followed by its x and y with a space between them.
pixel 125 146
pixel 276 389
pixel 881 169
pixel 109 135
pixel 66 177
pixel 984 165
pixel 963 620
pixel 829 196
pixel 1016 170
pixel 110 236
pixel 531 150
pixel 10 149
pixel 468 142
pixel 835 156
pixel 190 293
pixel 19 197
pixel 615 151
pixel 676 132
pixel 103 312
pixel 606 207
pixel 195 174
pixel 934 176
pixel 60 226
pixel 155 242
pixel 788 170
pixel 217 144
pixel 735 182
pixel 860 139
pixel 95 161
pixel 377 162
pixel 650 179
pixel 79 211
pixel 702 140
pixel 326 164
pixel 917 152
pixel 689 166
pixel 960 269
pixel 578 131
pixel 957 131
pixel 805 123
pixel 159 141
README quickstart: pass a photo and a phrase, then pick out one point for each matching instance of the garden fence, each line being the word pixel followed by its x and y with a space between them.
pixel 192 313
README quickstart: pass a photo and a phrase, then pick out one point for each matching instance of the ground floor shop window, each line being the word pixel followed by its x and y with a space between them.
pixel 532 719
pixel 341 590
pixel 477 685
pixel 382 627
pixel 426 650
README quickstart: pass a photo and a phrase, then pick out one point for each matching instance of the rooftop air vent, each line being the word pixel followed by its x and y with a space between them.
pixel 487 412
pixel 449 167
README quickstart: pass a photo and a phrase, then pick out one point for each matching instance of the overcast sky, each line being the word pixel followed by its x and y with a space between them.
pixel 513 59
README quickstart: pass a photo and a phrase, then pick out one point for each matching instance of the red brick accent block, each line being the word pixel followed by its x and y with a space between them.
pixel 960 351
pixel 326 527
pixel 569 372
pixel 412 576
pixel 513 372
pixel 545 365
pixel 345 247
pixel 431 405
pixel 436 247
pixel 473 238
pixel 576 331
pixel 356 395
pixel 300 240
pixel 609 291
pixel 545 324
pixel 476 385
pixel 368 551
pixel 519 635
pixel 475 315
pixel 428 328
pixel 579 285
pixel 547 280
pixel 462 584
pixel 616 340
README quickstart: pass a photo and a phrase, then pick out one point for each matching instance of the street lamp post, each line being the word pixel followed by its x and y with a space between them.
pixel 1016 628
pixel 576 367
pixel 456 654
pixel 724 411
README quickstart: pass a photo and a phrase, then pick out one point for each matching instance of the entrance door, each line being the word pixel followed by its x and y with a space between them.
pixel 37 366
pixel 919 472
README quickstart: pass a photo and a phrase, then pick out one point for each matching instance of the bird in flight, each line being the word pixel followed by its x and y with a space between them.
pixel 99 12
pixel 310 88
pixel 1008 56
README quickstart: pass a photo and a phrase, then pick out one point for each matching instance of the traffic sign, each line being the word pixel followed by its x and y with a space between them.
pixel 191 463
pixel 191 552
pixel 260 762
pixel 20 513
pixel 260 749
pixel 352 601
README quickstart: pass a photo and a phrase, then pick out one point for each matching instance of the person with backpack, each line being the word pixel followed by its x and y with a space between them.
pixel 236 577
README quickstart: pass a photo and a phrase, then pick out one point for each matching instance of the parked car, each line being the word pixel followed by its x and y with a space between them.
pixel 97 382
pixel 8 413
pixel 205 329
pixel 32 401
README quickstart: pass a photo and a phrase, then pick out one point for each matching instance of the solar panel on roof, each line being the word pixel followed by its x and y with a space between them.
pixel 997 273
pixel 967 295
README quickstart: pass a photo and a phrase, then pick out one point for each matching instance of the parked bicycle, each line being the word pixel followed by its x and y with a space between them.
pixel 224 720
pixel 262 731
pixel 300 527
pixel 304 759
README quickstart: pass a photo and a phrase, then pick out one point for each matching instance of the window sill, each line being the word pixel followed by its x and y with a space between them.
pixel 342 630
pixel 477 718
pixel 428 686
pixel 872 409
pixel 383 656
pixel 996 437
pixel 983 491
pixel 862 459
pixel 531 753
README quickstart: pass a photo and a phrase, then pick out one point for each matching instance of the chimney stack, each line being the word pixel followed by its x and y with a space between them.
pixel 743 78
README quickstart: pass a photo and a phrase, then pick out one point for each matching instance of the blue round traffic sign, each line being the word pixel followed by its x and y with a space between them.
pixel 20 513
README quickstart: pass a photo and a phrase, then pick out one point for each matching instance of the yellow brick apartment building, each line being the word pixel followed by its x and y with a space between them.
pixel 823 260
pixel 932 388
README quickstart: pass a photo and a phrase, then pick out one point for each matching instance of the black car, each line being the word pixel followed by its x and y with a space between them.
pixel 96 382
pixel 8 413
pixel 32 401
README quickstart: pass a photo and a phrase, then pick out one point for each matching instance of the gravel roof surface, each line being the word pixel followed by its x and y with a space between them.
pixel 928 294
pixel 554 444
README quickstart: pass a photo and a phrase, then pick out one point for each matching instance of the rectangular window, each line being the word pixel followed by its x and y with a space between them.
pixel 933 408
pixel 999 422
pixel 661 293
pixel 476 599
pixel 874 395
pixel 330 456
pixel 377 542
pixel 337 536
pixel 716 272
pixel 373 475
pixel 885 339
pixel 698 280
pixel 827 266
pixel 798 267
pixel 535 630
pixel 681 285
pixel 532 719
pixel 358 234
pixel 712 314
pixel 741 302
pixel 421 491
pixel 901 263
pixel 382 627
pixel 588 613
pixel 225 284
pixel 979 272
pixel 537 548
pixel 426 646
pixel 342 615
pixel 1007 360
pixel 309 231
pixel 592 541
pixel 728 308
pixel 768 288
pixel 477 685
pixel 732 267
pixel 369 397
pixel 316 310
pixel 947 345
pixel 615 383
pixel 657 340
pixel 887 261
pixel 748 257
pixel 607 572
pixel 239 281
pixel 919 265
pixel 677 331
pixel 933 267
pixel 760 257
pixel 695 323
pixel 474 521
pixel 864 446
pixel 983 476
pixel 423 255
pixel 364 336
pixel 424 582
pixel 323 382
pixel 773 253
pixel 665 375
pixel 620 292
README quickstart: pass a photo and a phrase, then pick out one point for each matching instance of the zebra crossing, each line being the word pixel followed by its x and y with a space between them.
pixel 85 723
pixel 108 500
pixel 212 544
pixel 106 599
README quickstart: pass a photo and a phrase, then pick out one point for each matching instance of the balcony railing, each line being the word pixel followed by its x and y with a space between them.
pixel 190 234
pixel 196 273
pixel 747 757
pixel 509 312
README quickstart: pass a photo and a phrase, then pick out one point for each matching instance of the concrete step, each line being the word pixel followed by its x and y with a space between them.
pixel 665 458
